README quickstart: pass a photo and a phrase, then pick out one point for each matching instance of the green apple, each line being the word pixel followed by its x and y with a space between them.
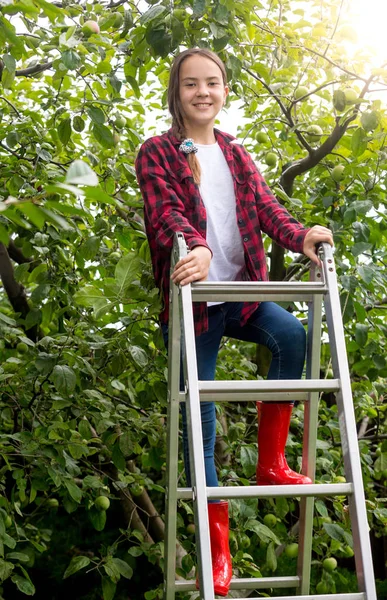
pixel 270 520
pixel 313 133
pixel 102 503
pixel 301 91
pixel 291 550
pixel 337 173
pixel 90 27
pixel 329 564
pixel 271 159
pixel 262 138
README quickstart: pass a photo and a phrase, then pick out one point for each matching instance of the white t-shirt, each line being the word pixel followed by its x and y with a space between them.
pixel 218 195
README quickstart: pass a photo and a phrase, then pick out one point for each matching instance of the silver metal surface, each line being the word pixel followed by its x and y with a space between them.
pixel 248 583
pixel 221 390
pixel 313 352
pixel 252 396
pixel 356 596
pixel 195 439
pixel 251 291
pixel 347 424
pixel 272 491
pixel 174 336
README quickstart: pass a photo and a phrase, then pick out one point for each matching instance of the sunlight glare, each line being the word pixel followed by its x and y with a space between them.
pixel 368 19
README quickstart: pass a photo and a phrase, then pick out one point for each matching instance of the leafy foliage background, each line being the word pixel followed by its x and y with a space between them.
pixel 83 366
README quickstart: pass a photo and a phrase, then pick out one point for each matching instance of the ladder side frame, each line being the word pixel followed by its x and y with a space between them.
pixel 173 410
pixel 348 432
pixel 195 439
pixel 310 437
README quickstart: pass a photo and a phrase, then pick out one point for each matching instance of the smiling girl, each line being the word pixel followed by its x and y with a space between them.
pixel 199 181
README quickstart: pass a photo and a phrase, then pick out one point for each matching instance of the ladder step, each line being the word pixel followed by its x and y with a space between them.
pixel 254 291
pixel 268 390
pixel 250 583
pixel 271 491
pixel 355 596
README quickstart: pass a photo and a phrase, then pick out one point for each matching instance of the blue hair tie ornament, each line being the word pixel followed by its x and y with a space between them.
pixel 188 146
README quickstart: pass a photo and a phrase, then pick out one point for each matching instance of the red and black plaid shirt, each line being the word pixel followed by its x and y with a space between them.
pixel 173 203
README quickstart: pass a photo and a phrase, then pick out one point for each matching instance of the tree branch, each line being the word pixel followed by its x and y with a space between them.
pixel 17 255
pixel 34 70
pixel 11 105
pixel 14 290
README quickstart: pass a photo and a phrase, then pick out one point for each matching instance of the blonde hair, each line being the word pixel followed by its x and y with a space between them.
pixel 174 103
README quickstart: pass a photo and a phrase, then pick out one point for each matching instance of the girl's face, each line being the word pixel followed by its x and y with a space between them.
pixel 202 91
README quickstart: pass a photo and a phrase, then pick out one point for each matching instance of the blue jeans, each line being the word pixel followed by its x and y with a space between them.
pixel 271 326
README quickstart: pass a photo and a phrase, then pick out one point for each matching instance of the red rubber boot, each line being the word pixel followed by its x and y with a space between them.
pixel 220 550
pixel 273 428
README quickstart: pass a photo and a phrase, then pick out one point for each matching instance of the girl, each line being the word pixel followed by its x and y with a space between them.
pixel 199 181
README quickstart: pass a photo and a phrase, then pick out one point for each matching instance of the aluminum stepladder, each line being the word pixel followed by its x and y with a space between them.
pixel 322 287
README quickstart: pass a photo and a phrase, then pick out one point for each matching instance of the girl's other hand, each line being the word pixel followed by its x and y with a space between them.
pixel 193 267
pixel 314 236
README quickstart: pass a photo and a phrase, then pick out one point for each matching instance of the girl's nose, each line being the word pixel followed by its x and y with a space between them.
pixel 202 90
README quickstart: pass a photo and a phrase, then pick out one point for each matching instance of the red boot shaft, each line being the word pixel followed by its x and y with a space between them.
pixel 220 550
pixel 273 428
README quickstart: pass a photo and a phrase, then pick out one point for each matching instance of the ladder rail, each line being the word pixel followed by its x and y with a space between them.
pixel 349 440
pixel 313 355
pixel 173 410
pixel 195 437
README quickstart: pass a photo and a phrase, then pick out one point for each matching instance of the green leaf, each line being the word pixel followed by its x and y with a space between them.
pixel 359 142
pixel 134 85
pixel 64 130
pixel 366 273
pixel 126 271
pixel 264 533
pixel 108 588
pixel 50 10
pixel 73 490
pixel 139 356
pixel 34 213
pixel 199 7
pixel 124 569
pixel 89 296
pixel 271 559
pixel 153 13
pixel 76 564
pixel 25 586
pixel 336 532
pixel 89 249
pixel 18 556
pixel 96 115
pixel 249 457
pixel 7 320
pixel 4 235
pixel 118 458
pixel 360 248
pixel 64 379
pixel 71 59
pixel 6 569
pixel 103 135
pixel 97 518
pixel 126 443
pixel 80 173
pixel 9 62
pixel 321 508
pixel 361 334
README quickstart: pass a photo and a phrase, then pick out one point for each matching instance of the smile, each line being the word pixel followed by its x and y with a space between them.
pixel 202 105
